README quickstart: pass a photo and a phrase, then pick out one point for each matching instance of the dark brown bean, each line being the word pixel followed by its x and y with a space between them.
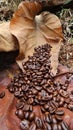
pixel 20 114
pixel 64 126
pixel 59 118
pixel 20 105
pixel 47 126
pixel 24 125
pixel 33 127
pixel 26 107
pixel 59 127
pixel 38 122
pixel 30 100
pixel 31 117
pixel 55 127
pixel 59 112
pixel 54 120
pixel 27 115
pixel 2 94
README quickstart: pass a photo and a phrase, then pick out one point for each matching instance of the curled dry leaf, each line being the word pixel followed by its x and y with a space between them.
pixel 33 28
pixel 7 41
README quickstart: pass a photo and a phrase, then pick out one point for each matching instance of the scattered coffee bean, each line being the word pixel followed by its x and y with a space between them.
pixel 32 127
pixel 24 125
pixel 38 122
pixel 31 117
pixel 27 115
pixel 64 126
pixel 55 127
pixel 59 112
pixel 20 114
pixel 36 86
pixel 2 94
pixel 47 126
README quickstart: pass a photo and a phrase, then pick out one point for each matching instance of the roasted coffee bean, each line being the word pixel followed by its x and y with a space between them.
pixel 46 106
pixel 30 108
pixel 67 100
pixel 52 110
pixel 55 127
pixel 17 93
pixel 2 94
pixel 70 106
pixel 47 126
pixel 42 109
pixel 59 118
pixel 38 122
pixel 31 117
pixel 47 118
pixel 24 125
pixel 26 107
pixel 20 114
pixel 59 112
pixel 54 120
pixel 61 101
pixel 26 115
pixel 30 100
pixel 20 105
pixel 59 127
pixel 33 127
pixel 64 94
pixel 34 91
pixel 64 126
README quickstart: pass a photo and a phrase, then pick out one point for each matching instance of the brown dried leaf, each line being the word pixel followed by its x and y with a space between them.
pixel 33 30
pixel 7 41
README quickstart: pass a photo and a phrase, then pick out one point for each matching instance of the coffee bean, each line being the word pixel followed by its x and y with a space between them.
pixel 55 127
pixel 67 100
pixel 59 112
pixel 33 127
pixel 2 94
pixel 26 107
pixel 54 120
pixel 47 119
pixel 24 125
pixel 59 127
pixel 61 102
pixel 30 100
pixel 64 126
pixel 38 122
pixel 17 93
pixel 42 109
pixel 47 126
pixel 20 114
pixel 59 118
pixel 31 117
pixel 27 115
pixel 19 105
pixel 30 108
pixel 70 106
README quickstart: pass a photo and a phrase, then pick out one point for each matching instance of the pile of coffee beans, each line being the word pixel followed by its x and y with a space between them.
pixel 35 87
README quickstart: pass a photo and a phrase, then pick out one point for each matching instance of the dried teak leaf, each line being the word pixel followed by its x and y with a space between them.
pixel 33 28
pixel 7 41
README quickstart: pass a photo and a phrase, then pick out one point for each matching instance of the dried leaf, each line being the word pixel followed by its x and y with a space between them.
pixel 7 41
pixel 33 29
